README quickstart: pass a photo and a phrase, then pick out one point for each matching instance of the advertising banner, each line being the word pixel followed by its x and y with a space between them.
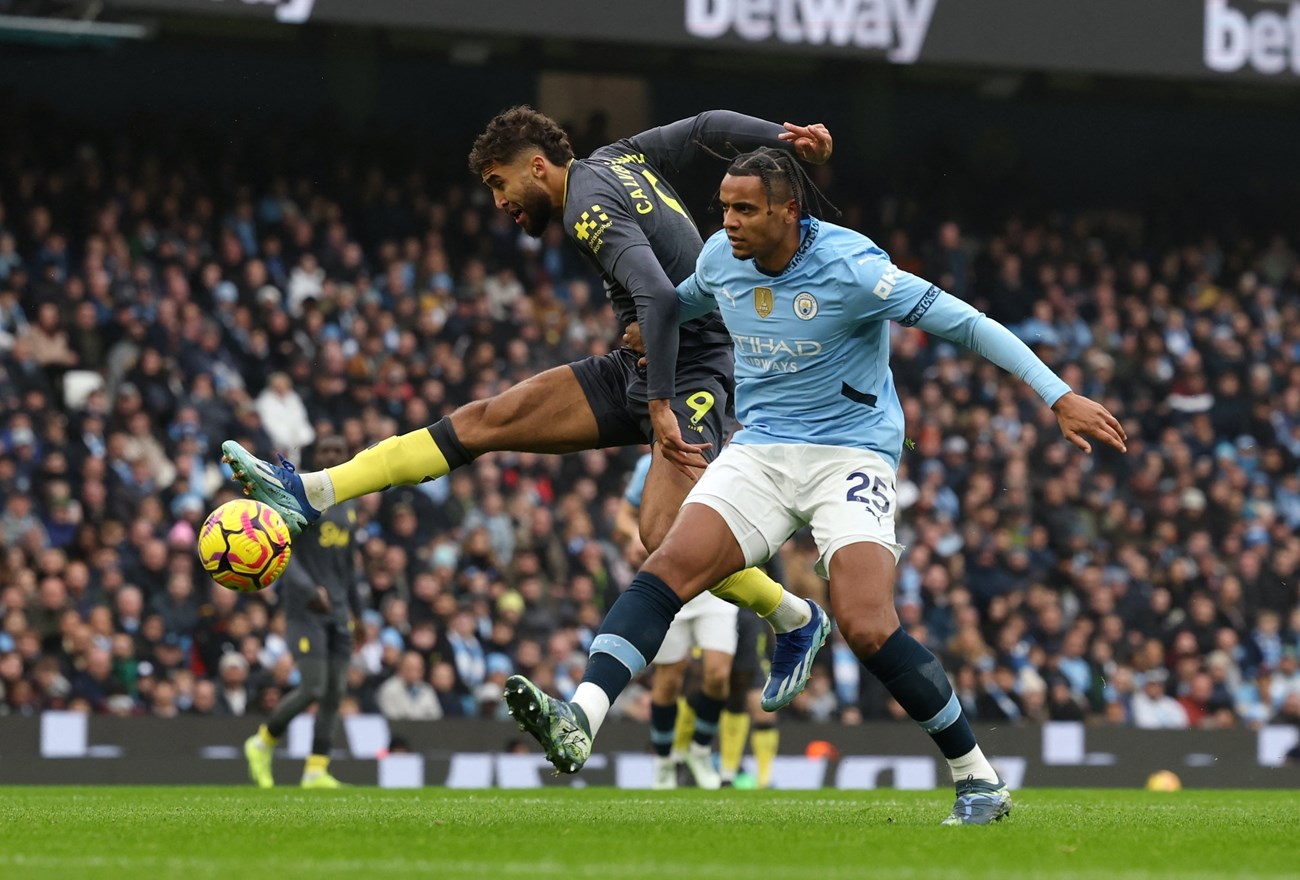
pixel 68 748
pixel 1204 39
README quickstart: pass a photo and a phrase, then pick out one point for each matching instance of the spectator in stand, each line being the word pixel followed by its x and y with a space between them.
pixel 1153 708
pixel 284 416
pixel 1289 713
pixel 233 697
pixel 406 696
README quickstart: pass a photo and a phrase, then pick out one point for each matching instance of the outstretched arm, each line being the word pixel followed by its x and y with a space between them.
pixel 959 322
pixel 677 144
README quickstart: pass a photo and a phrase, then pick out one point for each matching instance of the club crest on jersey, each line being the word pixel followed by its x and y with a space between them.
pixel 763 301
pixel 805 306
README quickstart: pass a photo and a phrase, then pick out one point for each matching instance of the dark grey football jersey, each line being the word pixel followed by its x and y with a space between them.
pixel 620 200
pixel 323 556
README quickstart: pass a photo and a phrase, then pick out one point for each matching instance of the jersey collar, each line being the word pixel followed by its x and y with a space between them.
pixel 565 203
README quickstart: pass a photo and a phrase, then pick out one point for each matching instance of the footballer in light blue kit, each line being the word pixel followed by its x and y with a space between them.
pixel 808 305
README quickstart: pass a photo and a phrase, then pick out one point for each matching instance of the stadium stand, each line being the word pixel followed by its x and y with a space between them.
pixel 158 295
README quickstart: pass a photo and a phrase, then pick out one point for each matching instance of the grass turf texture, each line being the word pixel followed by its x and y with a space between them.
pixel 286 833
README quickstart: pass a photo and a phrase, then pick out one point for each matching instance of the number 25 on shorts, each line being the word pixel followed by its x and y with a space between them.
pixel 878 502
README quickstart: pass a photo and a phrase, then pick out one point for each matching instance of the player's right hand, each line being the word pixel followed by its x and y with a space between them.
pixel 688 458
pixel 812 143
pixel 1079 415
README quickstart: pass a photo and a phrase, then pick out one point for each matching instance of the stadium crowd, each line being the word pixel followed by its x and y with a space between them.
pixel 154 302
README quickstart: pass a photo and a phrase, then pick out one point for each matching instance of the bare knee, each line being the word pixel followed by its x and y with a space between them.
pixel 867 636
pixel 676 570
pixel 667 684
pixel 716 683
pixel 697 552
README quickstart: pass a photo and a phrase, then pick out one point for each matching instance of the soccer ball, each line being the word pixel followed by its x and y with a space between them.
pixel 244 545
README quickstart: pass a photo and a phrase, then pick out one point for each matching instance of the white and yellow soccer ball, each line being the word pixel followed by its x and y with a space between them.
pixel 245 545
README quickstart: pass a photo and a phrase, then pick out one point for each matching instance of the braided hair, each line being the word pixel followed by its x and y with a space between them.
pixel 779 169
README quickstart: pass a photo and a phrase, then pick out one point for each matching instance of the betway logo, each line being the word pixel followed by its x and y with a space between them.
pixel 896 26
pixel 286 11
pixel 1268 43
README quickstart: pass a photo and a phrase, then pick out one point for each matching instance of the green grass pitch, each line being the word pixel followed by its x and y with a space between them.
pixel 228 833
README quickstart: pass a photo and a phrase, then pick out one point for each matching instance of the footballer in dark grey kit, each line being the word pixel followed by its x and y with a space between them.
pixel 319 594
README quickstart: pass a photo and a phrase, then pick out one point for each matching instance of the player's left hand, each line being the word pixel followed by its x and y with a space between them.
pixel 688 458
pixel 1079 415
pixel 812 143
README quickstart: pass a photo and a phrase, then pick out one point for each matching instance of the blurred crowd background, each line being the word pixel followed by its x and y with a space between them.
pixel 160 291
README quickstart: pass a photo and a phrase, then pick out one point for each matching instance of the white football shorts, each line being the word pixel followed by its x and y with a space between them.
pixel 768 492
pixel 706 621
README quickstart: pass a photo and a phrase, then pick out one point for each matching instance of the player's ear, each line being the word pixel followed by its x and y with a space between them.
pixel 538 166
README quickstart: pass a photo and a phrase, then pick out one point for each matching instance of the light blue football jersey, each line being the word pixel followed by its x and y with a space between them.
pixel 812 342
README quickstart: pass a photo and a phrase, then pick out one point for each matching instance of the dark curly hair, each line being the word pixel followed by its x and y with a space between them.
pixel 517 129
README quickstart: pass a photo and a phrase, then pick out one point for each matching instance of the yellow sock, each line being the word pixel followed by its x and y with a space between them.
pixel 733 728
pixel 764 743
pixel 685 728
pixel 751 589
pixel 397 461
pixel 265 736
pixel 317 763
